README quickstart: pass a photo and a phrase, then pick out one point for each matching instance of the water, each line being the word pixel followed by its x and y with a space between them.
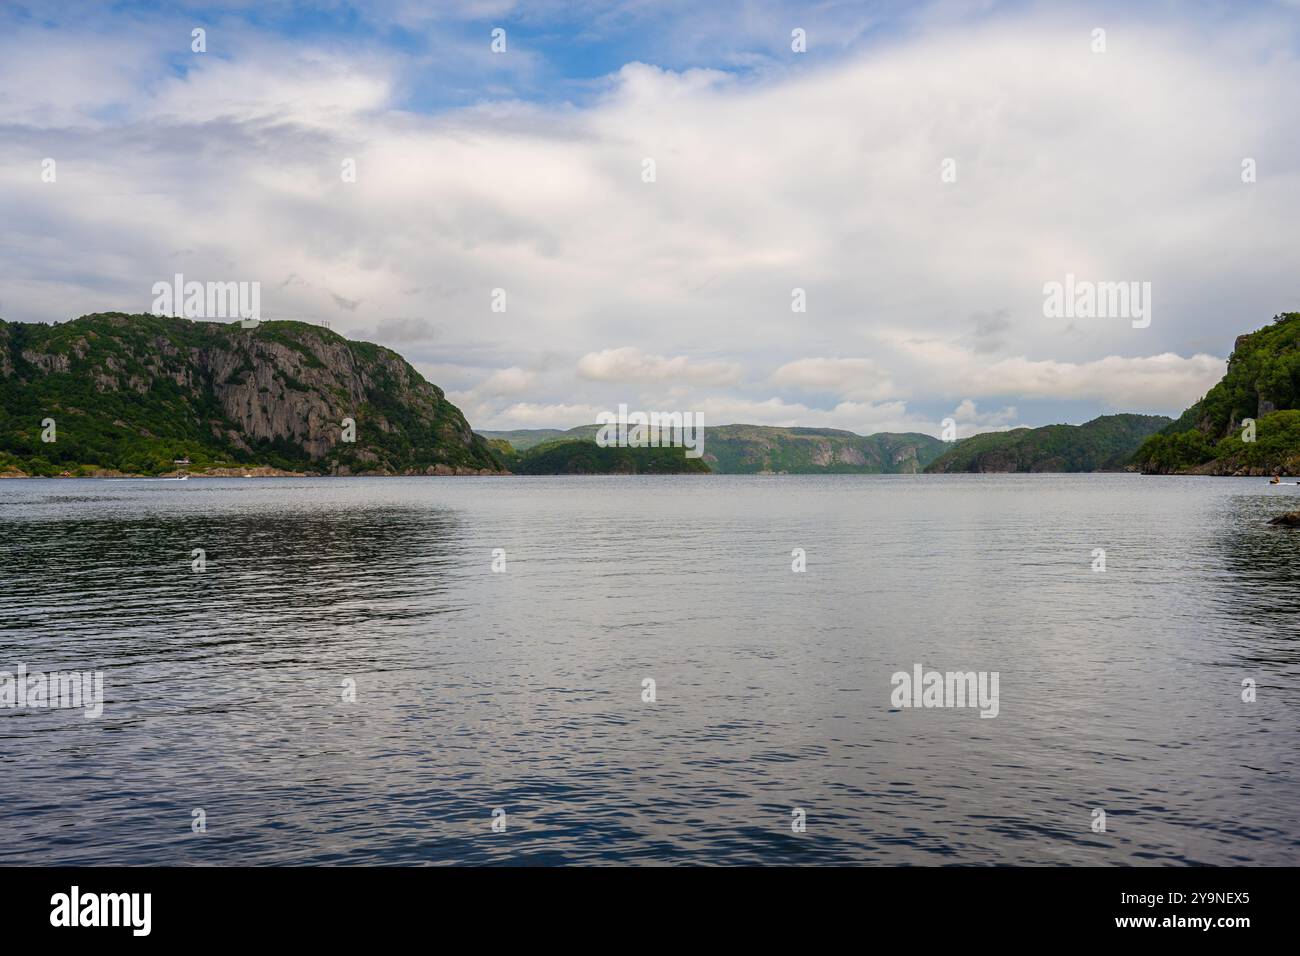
pixel 523 690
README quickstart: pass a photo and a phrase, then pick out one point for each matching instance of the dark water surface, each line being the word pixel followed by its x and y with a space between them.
pixel 523 690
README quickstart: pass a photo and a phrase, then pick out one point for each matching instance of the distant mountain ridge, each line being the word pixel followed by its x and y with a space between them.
pixel 1106 443
pixel 767 449
pixel 522 439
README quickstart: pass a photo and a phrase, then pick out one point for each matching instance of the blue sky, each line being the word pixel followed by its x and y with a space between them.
pixel 574 47
pixel 775 170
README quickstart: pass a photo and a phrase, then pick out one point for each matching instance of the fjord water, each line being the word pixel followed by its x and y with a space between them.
pixel 522 690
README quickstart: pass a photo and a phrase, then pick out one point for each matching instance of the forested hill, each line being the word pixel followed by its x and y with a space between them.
pixel 1213 437
pixel 1103 444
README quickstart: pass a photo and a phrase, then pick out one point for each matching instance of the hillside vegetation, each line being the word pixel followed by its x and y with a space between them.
pixel 1262 382
pixel 1103 444
pixel 582 457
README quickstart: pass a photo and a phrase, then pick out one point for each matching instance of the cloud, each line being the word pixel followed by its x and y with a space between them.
pixel 857 379
pixel 409 330
pixel 630 364
pixel 968 413
pixel 1156 382
pixel 989 330
pixel 507 381
pixel 533 415
pixel 971 421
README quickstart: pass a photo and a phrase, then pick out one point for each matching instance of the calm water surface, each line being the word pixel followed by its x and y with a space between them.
pixel 523 690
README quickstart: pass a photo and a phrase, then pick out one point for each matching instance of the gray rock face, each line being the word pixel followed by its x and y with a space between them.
pixel 274 392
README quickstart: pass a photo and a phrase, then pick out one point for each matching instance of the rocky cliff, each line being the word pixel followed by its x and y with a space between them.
pixel 134 393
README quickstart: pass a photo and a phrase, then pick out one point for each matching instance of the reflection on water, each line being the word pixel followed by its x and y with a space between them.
pixel 523 690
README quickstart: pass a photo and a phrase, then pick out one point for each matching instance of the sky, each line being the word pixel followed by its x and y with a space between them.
pixel 919 171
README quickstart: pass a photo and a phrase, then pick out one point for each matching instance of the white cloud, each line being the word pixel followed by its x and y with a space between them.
pixel 968 413
pixel 1165 381
pixel 507 381
pixel 970 420
pixel 533 415
pixel 854 378
pixel 314 88
pixel 630 364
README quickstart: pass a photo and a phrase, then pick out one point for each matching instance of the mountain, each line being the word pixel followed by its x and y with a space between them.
pixel 131 393
pixel 749 449
pixel 583 457
pixel 522 439
pixel 1103 444
pixel 753 449
pixel 1262 382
